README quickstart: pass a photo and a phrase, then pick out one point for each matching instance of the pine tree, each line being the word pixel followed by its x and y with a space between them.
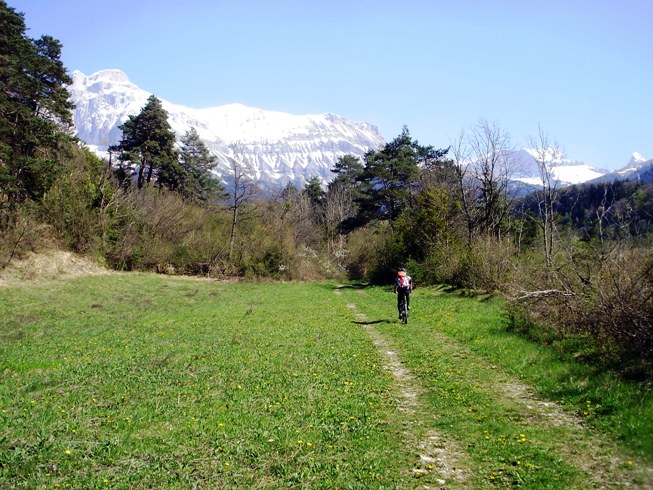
pixel 35 112
pixel 388 178
pixel 147 147
pixel 196 164
pixel 347 169
pixel 313 189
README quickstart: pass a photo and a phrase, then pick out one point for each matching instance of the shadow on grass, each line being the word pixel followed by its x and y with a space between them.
pixel 480 295
pixel 357 285
pixel 372 322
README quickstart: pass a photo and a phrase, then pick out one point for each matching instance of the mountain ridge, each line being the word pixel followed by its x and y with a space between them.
pixel 275 148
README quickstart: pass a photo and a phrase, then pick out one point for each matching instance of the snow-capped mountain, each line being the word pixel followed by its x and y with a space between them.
pixel 277 148
pixel 274 147
pixel 526 176
pixel 638 168
pixel 565 171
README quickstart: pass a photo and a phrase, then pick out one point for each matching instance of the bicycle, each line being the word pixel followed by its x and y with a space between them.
pixel 403 310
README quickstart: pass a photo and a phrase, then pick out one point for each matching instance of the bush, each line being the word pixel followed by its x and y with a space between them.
pixel 490 264
pixel 486 265
pixel 604 295
pixel 24 234
pixel 368 254
pixel 76 204
pixel 443 265
pixel 621 303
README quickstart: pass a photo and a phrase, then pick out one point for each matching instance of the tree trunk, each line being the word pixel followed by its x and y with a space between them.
pixel 232 236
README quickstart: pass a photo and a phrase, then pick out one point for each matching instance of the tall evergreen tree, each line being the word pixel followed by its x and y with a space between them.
pixel 147 147
pixel 34 112
pixel 390 178
pixel 347 169
pixel 196 161
pixel 313 189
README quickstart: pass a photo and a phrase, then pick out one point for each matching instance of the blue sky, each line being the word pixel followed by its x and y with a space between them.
pixel 580 69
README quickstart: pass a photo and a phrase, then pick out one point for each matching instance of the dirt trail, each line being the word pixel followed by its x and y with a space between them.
pixel 434 453
pixel 590 452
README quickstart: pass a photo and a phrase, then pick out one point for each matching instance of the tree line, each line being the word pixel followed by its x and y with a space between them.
pixel 572 263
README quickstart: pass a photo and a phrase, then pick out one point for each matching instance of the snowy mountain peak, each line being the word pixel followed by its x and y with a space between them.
pixel 112 76
pixel 563 170
pixel 276 147
pixel 637 159
pixel 550 154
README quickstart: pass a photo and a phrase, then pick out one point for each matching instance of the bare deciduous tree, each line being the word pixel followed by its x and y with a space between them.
pixel 547 156
pixel 243 190
pixel 338 207
pixel 485 166
pixel 465 194
pixel 492 168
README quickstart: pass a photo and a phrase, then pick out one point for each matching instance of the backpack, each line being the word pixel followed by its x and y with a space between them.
pixel 403 282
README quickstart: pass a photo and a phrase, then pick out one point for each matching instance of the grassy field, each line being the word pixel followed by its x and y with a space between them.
pixel 144 381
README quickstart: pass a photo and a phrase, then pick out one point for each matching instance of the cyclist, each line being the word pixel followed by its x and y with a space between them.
pixel 403 287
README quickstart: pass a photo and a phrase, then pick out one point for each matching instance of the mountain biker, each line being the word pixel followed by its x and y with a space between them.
pixel 402 288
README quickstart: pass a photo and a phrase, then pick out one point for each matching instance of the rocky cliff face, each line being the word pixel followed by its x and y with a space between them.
pixel 276 148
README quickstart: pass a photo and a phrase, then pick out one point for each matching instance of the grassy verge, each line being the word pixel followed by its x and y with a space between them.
pixel 469 363
pixel 141 381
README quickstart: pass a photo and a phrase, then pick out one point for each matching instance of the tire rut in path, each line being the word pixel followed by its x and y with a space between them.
pixel 592 454
pixel 434 454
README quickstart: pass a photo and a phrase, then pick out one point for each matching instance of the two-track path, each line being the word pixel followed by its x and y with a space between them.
pixel 432 452
pixel 445 458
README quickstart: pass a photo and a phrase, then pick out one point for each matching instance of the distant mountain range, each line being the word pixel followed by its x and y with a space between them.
pixel 639 168
pixel 276 148
pixel 568 172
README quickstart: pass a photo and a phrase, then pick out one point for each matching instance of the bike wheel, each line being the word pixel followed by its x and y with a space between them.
pixel 405 312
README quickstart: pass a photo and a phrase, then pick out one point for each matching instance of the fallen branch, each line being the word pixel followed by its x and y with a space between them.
pixel 545 293
pixel 13 250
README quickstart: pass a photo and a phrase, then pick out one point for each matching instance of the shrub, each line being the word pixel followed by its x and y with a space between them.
pixel 487 265
pixel 367 252
pixel 603 294
pixel 76 203
pixel 24 234
pixel 441 265
pixel 621 303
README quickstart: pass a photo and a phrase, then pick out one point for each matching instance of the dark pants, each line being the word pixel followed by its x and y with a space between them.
pixel 403 294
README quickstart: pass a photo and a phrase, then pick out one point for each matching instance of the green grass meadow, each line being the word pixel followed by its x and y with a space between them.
pixel 146 381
